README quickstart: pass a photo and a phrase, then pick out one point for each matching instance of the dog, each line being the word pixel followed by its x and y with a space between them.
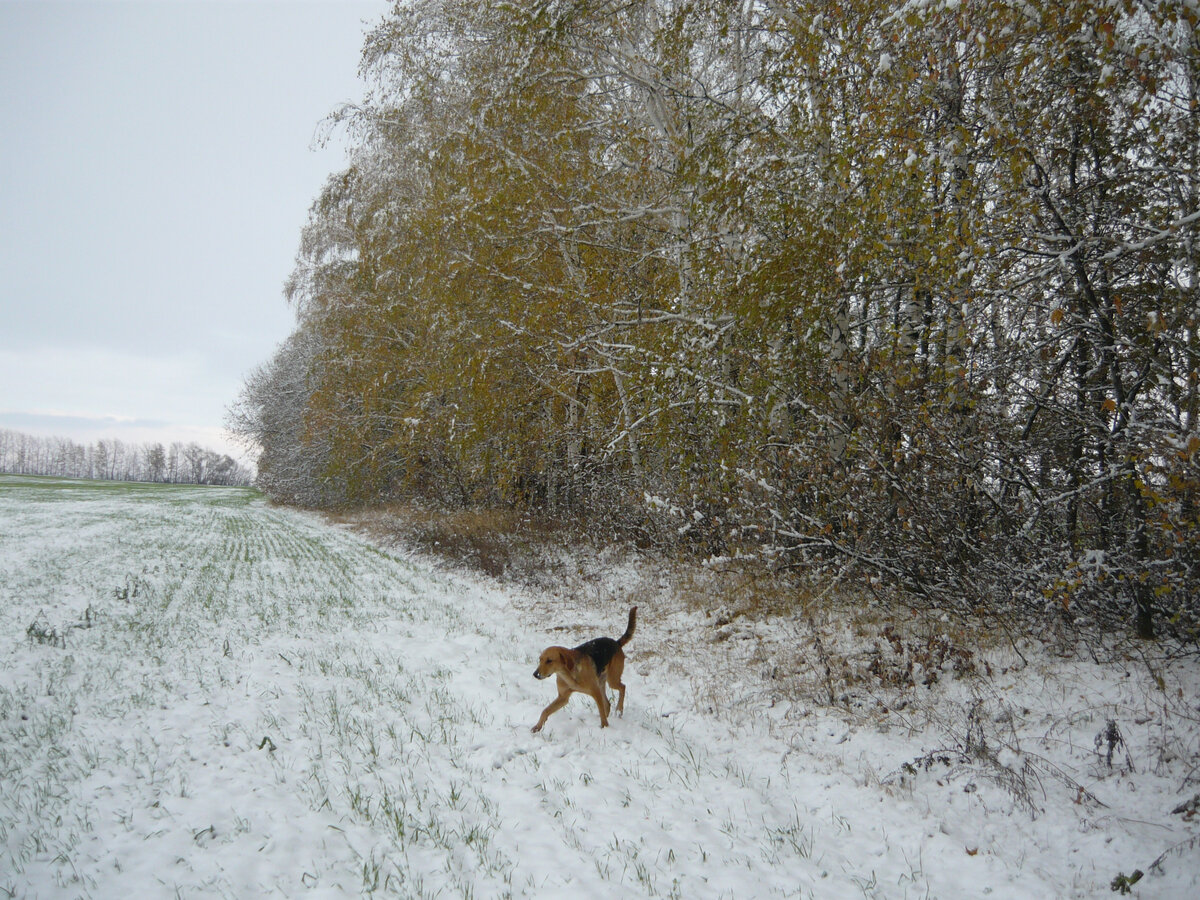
pixel 584 669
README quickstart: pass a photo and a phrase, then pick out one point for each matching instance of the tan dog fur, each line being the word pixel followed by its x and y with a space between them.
pixel 577 671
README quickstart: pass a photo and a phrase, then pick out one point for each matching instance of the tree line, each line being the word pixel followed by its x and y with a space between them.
pixel 906 293
pixel 114 460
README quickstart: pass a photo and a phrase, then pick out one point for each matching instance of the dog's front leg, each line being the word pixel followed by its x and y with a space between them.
pixel 564 694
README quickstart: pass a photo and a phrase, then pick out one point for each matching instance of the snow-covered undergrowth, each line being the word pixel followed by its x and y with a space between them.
pixel 202 695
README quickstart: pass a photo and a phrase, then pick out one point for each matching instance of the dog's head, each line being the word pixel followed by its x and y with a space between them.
pixel 552 660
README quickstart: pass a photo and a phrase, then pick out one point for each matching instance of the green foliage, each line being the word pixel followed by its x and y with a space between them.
pixel 907 292
pixel 1123 883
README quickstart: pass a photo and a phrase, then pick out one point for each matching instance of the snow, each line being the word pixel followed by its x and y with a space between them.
pixel 247 701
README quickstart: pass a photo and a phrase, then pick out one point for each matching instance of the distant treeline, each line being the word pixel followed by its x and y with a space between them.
pixel 114 460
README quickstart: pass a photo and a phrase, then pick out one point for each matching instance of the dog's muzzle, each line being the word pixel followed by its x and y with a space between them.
pixel 538 674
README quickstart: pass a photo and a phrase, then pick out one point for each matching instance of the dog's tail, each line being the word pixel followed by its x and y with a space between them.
pixel 624 639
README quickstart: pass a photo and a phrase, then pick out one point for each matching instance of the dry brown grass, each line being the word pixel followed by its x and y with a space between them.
pixel 804 641
pixel 496 542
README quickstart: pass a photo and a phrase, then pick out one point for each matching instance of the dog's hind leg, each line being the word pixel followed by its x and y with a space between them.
pixel 594 685
pixel 615 668
pixel 601 704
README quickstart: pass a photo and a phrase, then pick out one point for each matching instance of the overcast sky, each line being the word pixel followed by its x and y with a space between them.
pixel 157 161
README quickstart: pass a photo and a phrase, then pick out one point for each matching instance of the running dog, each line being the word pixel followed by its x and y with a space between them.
pixel 584 669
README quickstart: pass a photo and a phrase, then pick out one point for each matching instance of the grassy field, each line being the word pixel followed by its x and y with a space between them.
pixel 157 661
pixel 205 695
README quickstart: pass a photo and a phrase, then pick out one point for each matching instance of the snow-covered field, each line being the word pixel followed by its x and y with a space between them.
pixel 203 695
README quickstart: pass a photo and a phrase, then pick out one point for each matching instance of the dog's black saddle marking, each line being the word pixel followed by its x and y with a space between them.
pixel 601 650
